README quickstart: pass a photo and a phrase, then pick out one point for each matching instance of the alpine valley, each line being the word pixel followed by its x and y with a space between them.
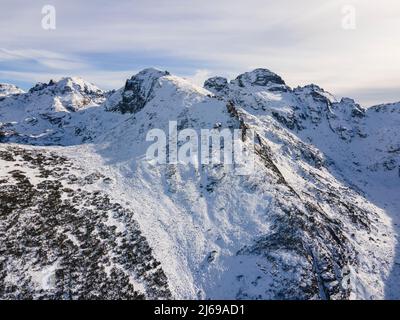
pixel 83 215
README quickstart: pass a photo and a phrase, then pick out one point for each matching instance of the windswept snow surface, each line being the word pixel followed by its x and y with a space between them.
pixel 317 219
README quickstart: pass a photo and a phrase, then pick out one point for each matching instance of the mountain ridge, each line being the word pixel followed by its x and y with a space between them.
pixel 311 222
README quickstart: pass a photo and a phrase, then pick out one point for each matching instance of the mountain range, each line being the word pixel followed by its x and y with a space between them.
pixel 84 215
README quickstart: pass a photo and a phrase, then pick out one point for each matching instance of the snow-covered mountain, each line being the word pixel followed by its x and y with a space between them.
pixel 85 215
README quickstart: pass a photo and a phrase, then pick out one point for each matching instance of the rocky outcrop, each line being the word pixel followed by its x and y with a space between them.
pixel 261 78
pixel 91 218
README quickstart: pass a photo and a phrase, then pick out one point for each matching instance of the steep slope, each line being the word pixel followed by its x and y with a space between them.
pixel 58 113
pixel 296 224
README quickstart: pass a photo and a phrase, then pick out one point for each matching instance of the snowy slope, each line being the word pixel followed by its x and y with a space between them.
pixel 315 220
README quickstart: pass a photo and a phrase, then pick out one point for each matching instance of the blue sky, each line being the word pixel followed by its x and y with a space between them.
pixel 106 42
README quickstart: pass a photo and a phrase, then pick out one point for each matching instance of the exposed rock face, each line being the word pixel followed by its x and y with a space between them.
pixel 69 94
pixel 59 240
pixel 316 92
pixel 262 78
pixel 309 221
pixel 9 89
pixel 138 91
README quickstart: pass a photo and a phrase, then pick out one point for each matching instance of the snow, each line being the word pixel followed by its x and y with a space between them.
pixel 9 89
pixel 196 233
pixel 45 277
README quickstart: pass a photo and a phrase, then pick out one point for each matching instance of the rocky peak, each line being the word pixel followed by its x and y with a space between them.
pixel 67 85
pixel 71 84
pixel 387 107
pixel 138 90
pixel 350 107
pixel 316 92
pixel 69 94
pixel 39 87
pixel 216 85
pixel 9 89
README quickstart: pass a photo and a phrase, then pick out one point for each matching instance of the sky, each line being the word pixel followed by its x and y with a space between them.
pixel 348 47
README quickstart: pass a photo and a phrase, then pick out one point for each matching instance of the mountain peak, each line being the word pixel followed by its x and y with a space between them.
pixel 259 77
pixel 293 221
pixel 216 84
pixel 9 89
pixel 68 94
